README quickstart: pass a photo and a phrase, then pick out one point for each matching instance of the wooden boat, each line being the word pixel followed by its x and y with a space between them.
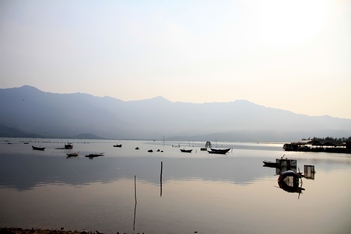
pixel 120 145
pixel 38 148
pixel 218 151
pixel 270 164
pixel 94 155
pixel 73 154
pixel 286 163
pixel 186 150
pixel 150 151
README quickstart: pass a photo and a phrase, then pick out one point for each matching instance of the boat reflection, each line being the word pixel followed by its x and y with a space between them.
pixel 291 182
pixel 309 172
pixel 92 156
pixel 289 179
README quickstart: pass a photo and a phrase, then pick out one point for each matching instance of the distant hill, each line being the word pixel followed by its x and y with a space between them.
pixel 13 132
pixel 28 110
pixel 87 136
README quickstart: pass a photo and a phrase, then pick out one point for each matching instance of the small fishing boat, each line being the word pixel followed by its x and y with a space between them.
pixel 150 151
pixel 186 150
pixel 137 148
pixel 38 148
pixel 270 164
pixel 218 151
pixel 73 154
pixel 118 145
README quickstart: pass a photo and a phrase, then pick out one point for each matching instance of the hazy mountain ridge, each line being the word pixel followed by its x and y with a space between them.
pixel 32 111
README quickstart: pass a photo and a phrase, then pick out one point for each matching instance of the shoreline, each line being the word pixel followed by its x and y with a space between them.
pixel 15 230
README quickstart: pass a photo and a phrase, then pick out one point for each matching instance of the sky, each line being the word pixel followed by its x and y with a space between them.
pixel 291 55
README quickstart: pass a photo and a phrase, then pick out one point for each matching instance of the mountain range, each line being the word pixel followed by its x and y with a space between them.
pixel 29 112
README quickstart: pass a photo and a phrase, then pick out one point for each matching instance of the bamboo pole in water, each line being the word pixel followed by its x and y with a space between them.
pixel 135 202
pixel 161 179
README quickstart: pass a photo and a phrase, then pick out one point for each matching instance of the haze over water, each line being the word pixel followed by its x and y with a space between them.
pixel 198 192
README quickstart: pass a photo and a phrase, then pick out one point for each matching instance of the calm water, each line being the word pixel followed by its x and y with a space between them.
pixel 198 192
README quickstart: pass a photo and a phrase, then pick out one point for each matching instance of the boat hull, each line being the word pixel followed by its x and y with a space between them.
pixel 38 148
pixel 218 151
pixel 270 164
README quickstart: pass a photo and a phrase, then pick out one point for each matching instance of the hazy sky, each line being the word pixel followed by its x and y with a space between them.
pixel 292 55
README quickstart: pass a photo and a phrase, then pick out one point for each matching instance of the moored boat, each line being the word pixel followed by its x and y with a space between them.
pixel 118 145
pixel 218 151
pixel 38 148
pixel 270 164
pixel 186 150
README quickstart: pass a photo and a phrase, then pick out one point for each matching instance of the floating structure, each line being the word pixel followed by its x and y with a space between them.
pixel 118 145
pixel 69 146
pixel 66 146
pixel 208 145
pixel 317 146
pixel 283 164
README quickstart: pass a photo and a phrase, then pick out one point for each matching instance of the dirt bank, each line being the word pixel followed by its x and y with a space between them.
pixel 40 231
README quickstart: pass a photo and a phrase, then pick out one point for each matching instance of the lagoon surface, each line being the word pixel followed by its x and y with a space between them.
pixel 125 190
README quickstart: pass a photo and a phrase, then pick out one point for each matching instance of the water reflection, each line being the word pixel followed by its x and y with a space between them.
pixel 288 179
pixel 135 202
pixel 231 194
pixel 291 182
pixel 161 174
pixel 25 172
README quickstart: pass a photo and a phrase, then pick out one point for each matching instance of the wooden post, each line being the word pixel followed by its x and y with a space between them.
pixel 135 202
pixel 161 179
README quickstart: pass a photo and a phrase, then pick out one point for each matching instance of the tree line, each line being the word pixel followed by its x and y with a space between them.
pixel 329 139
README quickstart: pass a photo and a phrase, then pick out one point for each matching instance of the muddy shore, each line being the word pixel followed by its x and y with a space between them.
pixel 13 230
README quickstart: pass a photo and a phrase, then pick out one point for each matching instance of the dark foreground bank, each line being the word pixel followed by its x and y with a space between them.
pixel 41 231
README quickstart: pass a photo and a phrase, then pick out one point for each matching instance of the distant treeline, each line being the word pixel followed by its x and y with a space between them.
pixel 329 139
